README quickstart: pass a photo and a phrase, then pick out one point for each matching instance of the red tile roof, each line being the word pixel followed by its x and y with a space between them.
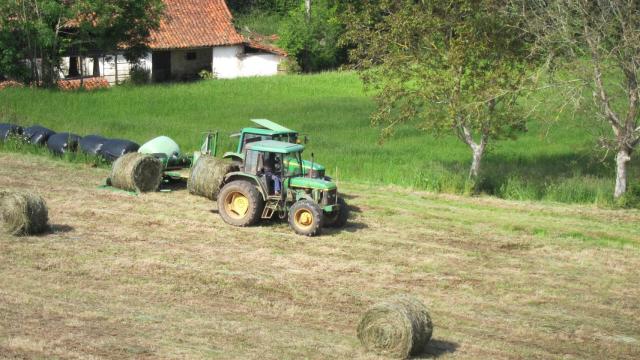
pixel 266 47
pixel 195 23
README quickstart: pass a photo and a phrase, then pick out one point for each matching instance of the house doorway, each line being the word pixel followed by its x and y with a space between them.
pixel 161 66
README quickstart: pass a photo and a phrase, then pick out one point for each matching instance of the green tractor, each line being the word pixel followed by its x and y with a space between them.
pixel 271 182
pixel 269 130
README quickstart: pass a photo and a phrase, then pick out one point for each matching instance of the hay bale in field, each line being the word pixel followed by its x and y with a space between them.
pixel 136 172
pixel 22 213
pixel 207 176
pixel 398 327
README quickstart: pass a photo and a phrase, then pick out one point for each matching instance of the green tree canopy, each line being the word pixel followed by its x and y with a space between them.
pixel 442 66
pixel 42 31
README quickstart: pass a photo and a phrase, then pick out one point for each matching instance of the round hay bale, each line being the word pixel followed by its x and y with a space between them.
pixel 136 172
pixel 22 213
pixel 398 327
pixel 207 175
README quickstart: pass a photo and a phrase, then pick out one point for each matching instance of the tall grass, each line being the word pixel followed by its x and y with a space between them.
pixel 554 164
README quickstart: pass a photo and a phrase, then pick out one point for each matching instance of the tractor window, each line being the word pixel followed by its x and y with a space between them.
pixel 252 162
pixel 249 138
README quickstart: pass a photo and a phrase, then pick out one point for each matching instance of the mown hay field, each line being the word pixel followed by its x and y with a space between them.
pixel 160 275
pixel 552 161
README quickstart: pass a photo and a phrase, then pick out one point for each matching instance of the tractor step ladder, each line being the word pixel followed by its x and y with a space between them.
pixel 270 208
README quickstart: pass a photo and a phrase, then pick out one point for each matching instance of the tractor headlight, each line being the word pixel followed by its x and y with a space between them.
pixel 329 197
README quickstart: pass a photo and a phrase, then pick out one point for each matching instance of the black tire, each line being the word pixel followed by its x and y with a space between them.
pixel 306 218
pixel 231 205
pixel 337 219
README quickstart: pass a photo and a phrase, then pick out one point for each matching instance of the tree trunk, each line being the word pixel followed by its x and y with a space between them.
pixel 476 148
pixel 96 66
pixel 478 152
pixel 307 7
pixel 623 157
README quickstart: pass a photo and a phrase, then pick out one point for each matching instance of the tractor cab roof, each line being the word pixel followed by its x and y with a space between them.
pixel 270 125
pixel 266 127
pixel 273 146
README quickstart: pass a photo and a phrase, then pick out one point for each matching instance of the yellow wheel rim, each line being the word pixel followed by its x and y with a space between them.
pixel 304 218
pixel 236 205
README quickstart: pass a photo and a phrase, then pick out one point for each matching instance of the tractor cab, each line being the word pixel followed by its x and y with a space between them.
pixel 266 130
pixel 269 182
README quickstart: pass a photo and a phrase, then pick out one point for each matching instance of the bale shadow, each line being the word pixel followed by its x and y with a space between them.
pixel 54 229
pixel 173 185
pixel 437 348
pixel 59 229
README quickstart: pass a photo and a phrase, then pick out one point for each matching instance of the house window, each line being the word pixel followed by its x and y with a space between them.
pixel 191 55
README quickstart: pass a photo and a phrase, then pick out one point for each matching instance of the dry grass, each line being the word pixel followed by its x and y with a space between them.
pixel 161 276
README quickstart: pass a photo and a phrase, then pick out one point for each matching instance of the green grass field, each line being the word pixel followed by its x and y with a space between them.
pixel 161 276
pixel 550 162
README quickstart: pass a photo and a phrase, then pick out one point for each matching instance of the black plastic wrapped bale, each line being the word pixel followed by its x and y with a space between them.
pixel 114 148
pixel 7 130
pixel 92 144
pixel 62 143
pixel 37 135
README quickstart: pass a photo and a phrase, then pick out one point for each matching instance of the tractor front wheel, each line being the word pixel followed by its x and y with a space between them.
pixel 305 218
pixel 240 203
pixel 337 219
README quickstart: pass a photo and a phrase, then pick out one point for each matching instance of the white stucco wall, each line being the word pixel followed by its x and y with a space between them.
pixel 108 67
pixel 260 64
pixel 226 63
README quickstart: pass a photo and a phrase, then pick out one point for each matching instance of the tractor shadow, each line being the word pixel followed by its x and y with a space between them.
pixel 351 227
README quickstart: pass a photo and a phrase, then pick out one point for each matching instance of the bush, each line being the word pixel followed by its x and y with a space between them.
pixel 289 66
pixel 632 198
pixel 139 75
pixel 314 42
pixel 206 75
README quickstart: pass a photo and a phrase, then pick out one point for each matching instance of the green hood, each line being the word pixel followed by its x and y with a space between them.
pixel 304 182
pixel 292 164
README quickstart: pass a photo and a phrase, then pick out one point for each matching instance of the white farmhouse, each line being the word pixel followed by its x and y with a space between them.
pixel 194 35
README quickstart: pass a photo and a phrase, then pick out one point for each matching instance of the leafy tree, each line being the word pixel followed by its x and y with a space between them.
pixel 442 66
pixel 598 43
pixel 311 35
pixel 42 31
pixel 278 6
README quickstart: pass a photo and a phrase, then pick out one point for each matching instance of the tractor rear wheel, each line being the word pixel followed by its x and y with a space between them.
pixel 240 203
pixel 337 219
pixel 305 218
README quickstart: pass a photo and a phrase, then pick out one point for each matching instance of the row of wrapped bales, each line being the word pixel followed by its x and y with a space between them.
pixel 62 143
pixel 7 130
